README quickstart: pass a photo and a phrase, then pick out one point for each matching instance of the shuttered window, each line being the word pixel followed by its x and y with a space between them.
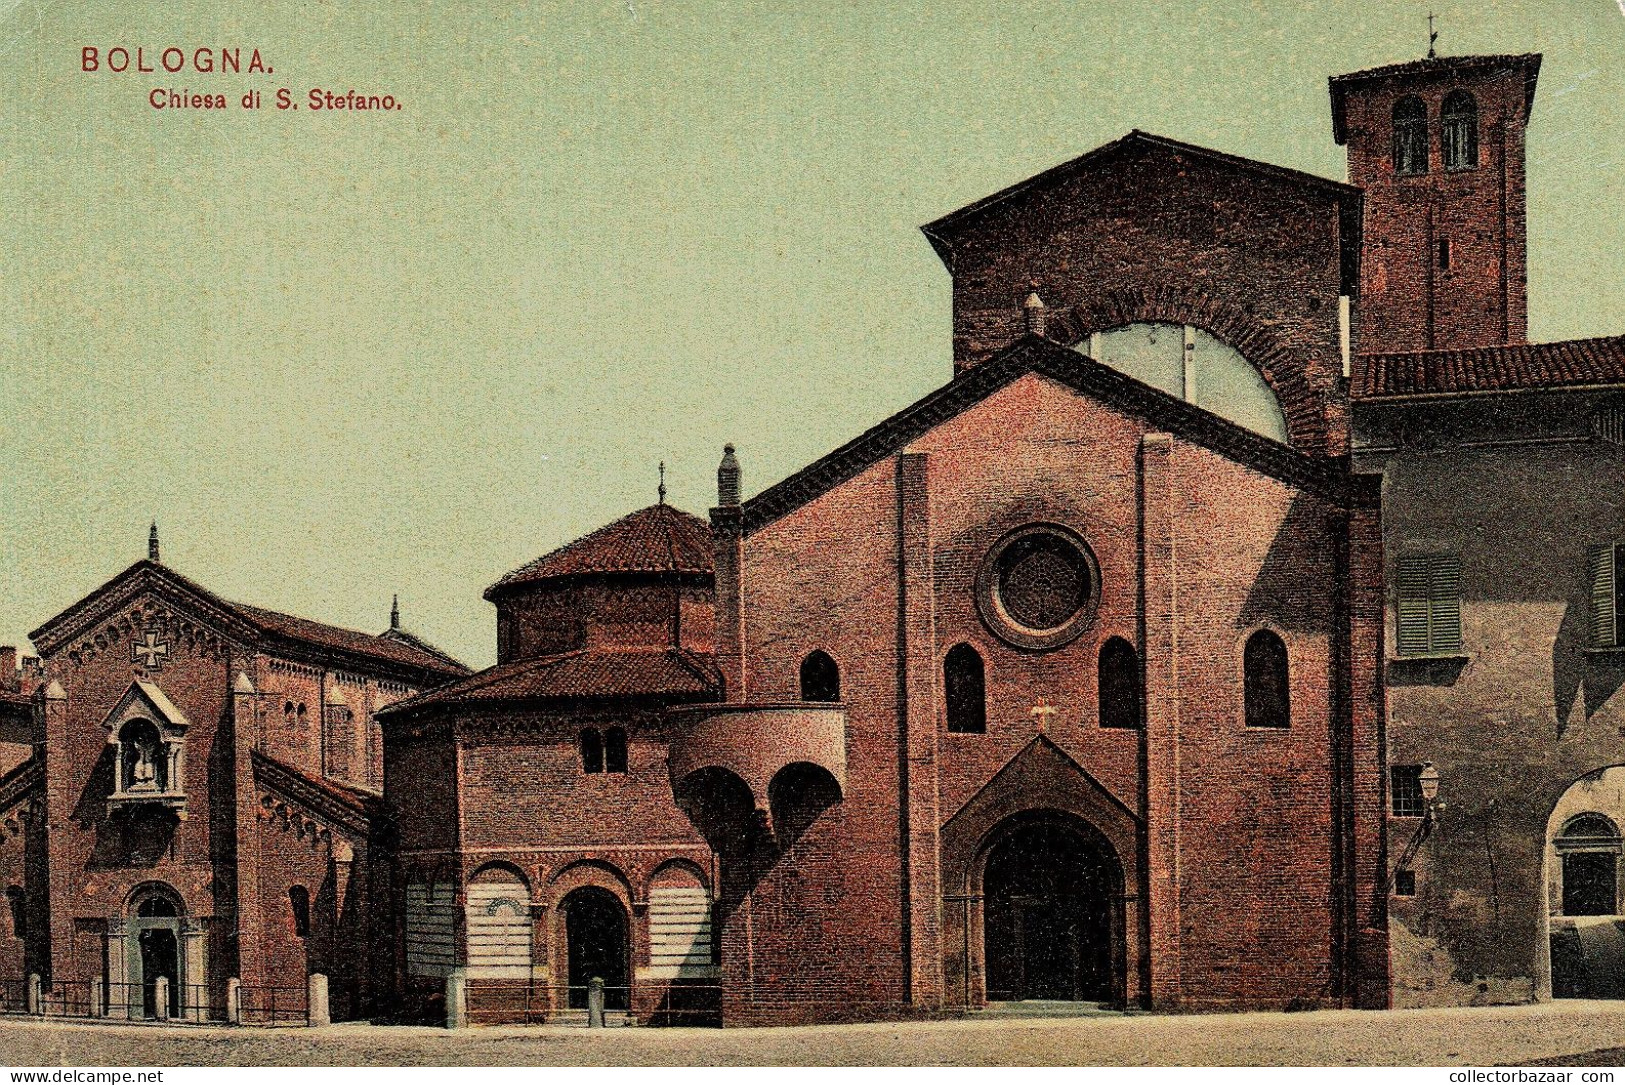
pixel 1607 574
pixel 1429 604
pixel 498 914
pixel 431 911
pixel 680 932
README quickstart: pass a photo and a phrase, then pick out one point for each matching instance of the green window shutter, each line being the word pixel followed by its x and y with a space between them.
pixel 1412 633
pixel 1444 599
pixel 1604 599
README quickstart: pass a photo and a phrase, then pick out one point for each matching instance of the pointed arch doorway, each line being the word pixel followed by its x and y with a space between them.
pixel 1051 887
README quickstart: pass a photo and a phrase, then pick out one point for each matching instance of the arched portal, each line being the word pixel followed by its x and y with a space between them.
pixel 1585 920
pixel 597 944
pixel 1051 887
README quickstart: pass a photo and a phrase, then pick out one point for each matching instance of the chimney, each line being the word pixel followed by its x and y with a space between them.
pixel 395 614
pixel 1033 310
pixel 152 543
pixel 10 679
pixel 728 479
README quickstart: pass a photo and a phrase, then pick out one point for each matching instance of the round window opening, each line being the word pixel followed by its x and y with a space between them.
pixel 1038 586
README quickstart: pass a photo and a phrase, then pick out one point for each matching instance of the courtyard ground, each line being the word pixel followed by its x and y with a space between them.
pixel 1569 1031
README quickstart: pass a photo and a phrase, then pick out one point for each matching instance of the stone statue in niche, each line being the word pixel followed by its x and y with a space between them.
pixel 144 753
pixel 144 775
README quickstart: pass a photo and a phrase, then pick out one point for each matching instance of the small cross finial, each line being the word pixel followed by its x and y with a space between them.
pixel 152 542
pixel 1042 711
pixel 395 612
pixel 1433 36
pixel 661 491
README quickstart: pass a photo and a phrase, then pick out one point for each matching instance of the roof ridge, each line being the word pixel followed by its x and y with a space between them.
pixel 1031 354
pixel 646 540
pixel 1548 344
pixel 953 219
pixel 244 619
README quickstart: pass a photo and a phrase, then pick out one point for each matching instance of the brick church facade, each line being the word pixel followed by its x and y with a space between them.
pixel 1177 652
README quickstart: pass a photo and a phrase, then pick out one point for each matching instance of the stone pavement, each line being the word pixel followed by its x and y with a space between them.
pixel 1458 1036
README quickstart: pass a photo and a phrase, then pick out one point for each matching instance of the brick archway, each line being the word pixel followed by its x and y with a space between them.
pixel 1304 407
pixel 1041 781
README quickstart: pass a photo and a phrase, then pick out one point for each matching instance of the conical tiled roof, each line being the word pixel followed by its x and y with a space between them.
pixel 658 539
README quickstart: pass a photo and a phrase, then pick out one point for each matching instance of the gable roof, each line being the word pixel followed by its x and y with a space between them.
pixel 1427 67
pixel 352 808
pixel 157 703
pixel 21 782
pixel 942 232
pixel 586 674
pixel 1077 372
pixel 280 632
pixel 1571 363
pixel 657 539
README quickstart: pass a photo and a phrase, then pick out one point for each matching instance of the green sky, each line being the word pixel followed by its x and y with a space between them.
pixel 341 355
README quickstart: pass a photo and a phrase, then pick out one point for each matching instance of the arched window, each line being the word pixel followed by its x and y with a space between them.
pixel 592 750
pixel 820 678
pixel 299 901
pixel 1192 364
pixel 1591 827
pixel 156 906
pixel 615 750
pixel 1410 137
pixel 1460 140
pixel 17 898
pixel 1119 684
pixel 964 685
pixel 1267 696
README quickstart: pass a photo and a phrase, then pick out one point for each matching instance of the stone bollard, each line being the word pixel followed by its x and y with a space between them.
pixel 234 1001
pixel 317 1011
pixel 36 1003
pixel 160 998
pixel 98 997
pixel 456 999
pixel 595 1002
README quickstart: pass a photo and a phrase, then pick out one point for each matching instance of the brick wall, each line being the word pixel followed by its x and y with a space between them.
pixel 1407 301
pixel 1154 235
pixel 1242 821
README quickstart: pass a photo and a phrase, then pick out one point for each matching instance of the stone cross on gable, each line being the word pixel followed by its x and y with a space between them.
pixel 149 651
pixel 1042 711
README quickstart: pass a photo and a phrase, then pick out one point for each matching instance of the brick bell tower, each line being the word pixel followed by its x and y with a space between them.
pixel 1438 147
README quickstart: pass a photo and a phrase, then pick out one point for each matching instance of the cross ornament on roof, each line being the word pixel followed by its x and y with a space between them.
pixel 1042 711
pixel 149 651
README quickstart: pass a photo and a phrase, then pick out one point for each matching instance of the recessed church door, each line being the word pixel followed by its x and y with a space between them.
pixel 160 956
pixel 596 937
pixel 1048 895
pixel 154 950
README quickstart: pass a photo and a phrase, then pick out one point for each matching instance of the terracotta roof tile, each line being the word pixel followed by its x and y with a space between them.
pixel 589 673
pixel 658 539
pixel 1567 364
pixel 388 647
pixel 416 653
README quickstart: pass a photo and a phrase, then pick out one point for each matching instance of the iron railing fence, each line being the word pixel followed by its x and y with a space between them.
pixel 189 1003
pixel 692 1005
pixel 269 1004
pixel 70 998
pixel 516 1003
